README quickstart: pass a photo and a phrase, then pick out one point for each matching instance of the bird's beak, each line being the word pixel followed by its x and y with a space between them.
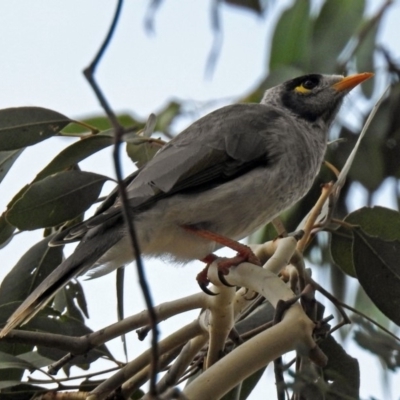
pixel 349 82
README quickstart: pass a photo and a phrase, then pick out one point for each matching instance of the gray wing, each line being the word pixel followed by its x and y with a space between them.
pixel 216 148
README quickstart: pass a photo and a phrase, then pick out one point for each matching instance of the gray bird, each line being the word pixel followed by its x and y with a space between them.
pixel 218 181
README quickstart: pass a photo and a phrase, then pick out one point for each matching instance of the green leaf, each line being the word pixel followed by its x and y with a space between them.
pixel 386 124
pixel 7 159
pixel 370 174
pixel 167 115
pixel 376 221
pixel 342 371
pixel 10 361
pixel 64 325
pixel 72 298
pixel 35 359
pixel 376 263
pixel 290 43
pixel 6 231
pixel 34 266
pixel 340 245
pixel 364 304
pixel 75 153
pixel 15 349
pixel 333 29
pixel 250 383
pixel 120 275
pixel 55 199
pixel 141 153
pixel 102 123
pixel 379 343
pixel 18 391
pixel 365 56
pixel 251 5
pixel 25 126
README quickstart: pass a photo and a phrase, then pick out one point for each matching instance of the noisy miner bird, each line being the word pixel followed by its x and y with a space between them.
pixel 223 177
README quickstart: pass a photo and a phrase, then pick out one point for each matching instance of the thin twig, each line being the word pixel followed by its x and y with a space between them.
pixel 118 133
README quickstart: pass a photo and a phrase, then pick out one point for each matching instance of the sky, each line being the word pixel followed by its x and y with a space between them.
pixel 44 49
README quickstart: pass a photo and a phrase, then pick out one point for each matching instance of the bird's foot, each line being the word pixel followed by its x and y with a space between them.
pixel 246 255
pixel 202 277
pixel 224 265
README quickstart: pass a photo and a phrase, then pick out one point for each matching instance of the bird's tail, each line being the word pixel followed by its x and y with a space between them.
pixel 84 256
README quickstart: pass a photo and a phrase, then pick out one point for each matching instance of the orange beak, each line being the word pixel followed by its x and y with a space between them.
pixel 349 82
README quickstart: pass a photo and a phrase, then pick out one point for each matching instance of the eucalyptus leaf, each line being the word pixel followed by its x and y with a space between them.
pixel 7 159
pixel 332 30
pixel 376 221
pixel 102 123
pixel 251 5
pixel 376 263
pixel 291 40
pixel 25 126
pixel 55 199
pixel 75 153
pixel 365 54
pixel 34 266
pixel 6 231
pixel 10 361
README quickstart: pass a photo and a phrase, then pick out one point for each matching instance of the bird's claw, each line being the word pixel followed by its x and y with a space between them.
pixel 206 290
pixel 221 276
pixel 203 281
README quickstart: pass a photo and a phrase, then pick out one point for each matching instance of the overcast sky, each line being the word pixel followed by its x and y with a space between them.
pixel 45 47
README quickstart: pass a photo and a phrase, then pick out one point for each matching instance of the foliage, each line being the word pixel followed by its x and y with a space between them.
pixel 364 244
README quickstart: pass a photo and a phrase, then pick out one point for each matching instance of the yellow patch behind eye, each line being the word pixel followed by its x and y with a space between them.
pixel 301 89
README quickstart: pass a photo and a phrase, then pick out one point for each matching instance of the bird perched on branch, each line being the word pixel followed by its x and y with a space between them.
pixel 218 181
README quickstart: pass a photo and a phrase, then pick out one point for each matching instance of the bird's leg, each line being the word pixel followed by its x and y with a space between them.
pixel 202 278
pixel 244 254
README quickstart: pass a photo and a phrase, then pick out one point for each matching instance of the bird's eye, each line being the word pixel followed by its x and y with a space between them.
pixel 306 86
pixel 309 84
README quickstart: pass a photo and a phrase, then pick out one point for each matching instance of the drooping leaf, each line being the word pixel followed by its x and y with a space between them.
pixel 378 343
pixel 120 275
pixel 251 5
pixel 342 371
pixel 388 126
pixel 64 325
pixel 102 123
pixel 365 55
pixel 7 159
pixel 142 152
pixel 364 304
pixel 35 359
pixel 370 174
pixel 75 153
pixel 341 242
pixel 55 199
pixel 14 390
pixel 333 29
pixel 376 262
pixel 15 349
pixel 250 383
pixel 166 116
pixel 35 265
pixel 25 126
pixel 290 43
pixel 6 231
pixel 71 299
pixel 376 221
pixel 10 361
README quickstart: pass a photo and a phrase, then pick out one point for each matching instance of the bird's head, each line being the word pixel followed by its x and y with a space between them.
pixel 313 97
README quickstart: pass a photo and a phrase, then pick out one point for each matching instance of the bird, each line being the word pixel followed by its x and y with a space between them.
pixel 220 179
